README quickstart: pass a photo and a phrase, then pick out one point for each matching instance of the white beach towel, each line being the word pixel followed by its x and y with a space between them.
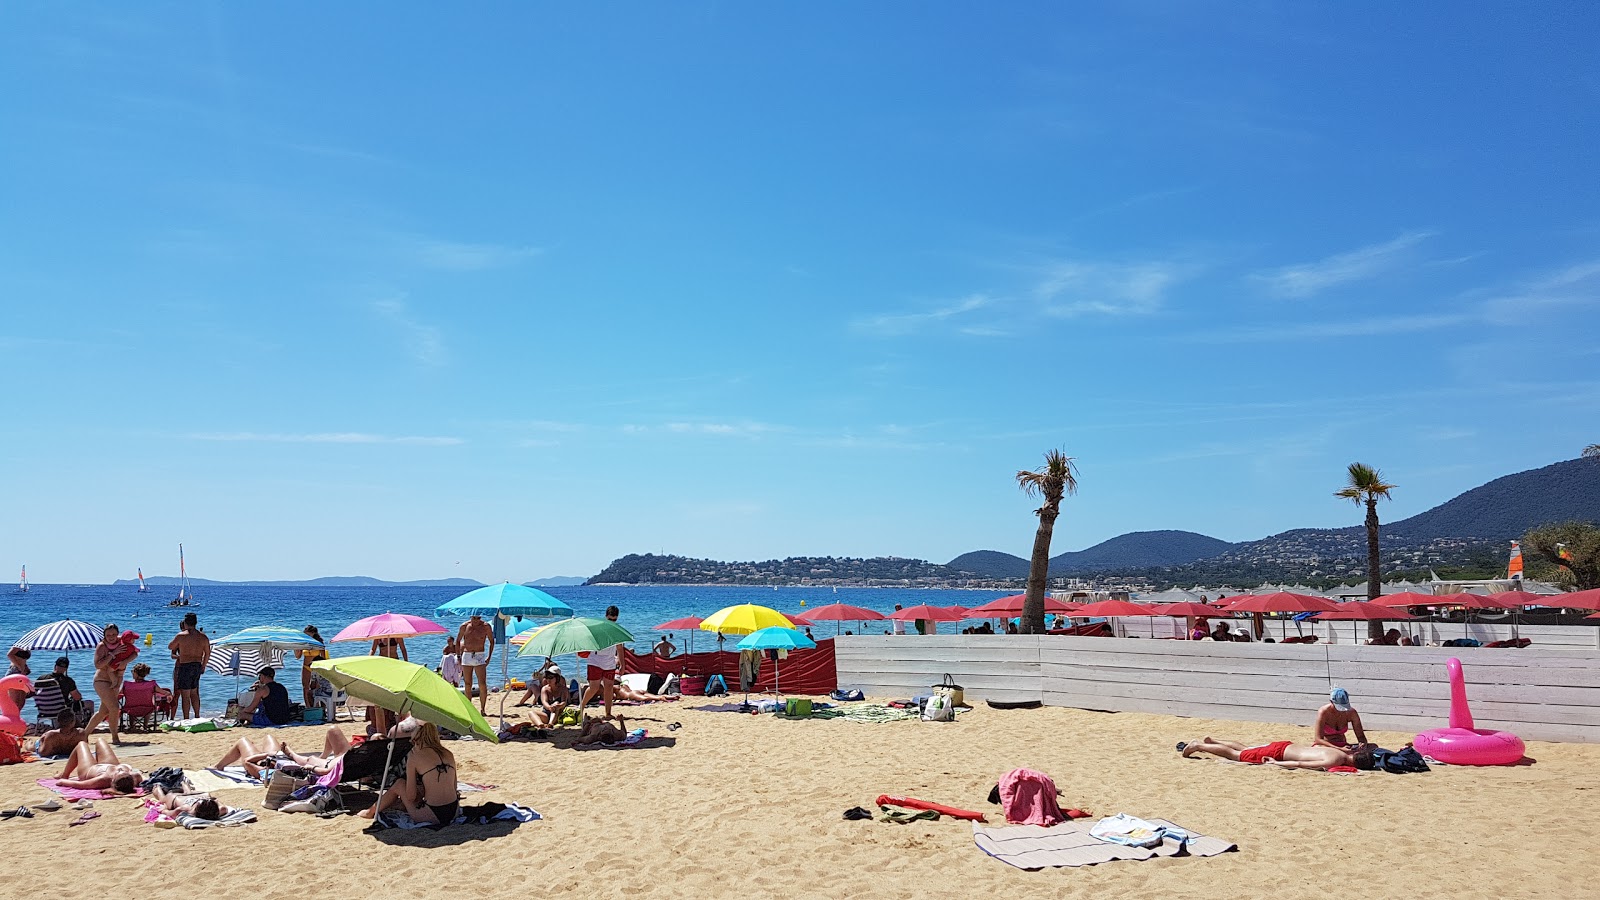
pixel 1071 844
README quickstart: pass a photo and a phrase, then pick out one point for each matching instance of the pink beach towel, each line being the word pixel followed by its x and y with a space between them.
pixel 82 794
pixel 1029 798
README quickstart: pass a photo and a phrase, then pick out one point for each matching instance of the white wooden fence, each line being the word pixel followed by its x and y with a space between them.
pixel 1356 632
pixel 1551 693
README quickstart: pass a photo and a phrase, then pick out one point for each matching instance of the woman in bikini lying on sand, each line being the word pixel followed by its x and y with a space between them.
pixel 1281 753
pixel 97 768
pixel 256 757
pixel 201 806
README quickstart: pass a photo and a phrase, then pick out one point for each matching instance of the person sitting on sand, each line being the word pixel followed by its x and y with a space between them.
pixel 60 740
pixel 271 703
pixel 554 698
pixel 600 732
pixel 201 806
pixel 256 757
pixel 429 790
pixel 96 768
pixel 1223 632
pixel 1335 718
pixel 535 682
pixel 1281 753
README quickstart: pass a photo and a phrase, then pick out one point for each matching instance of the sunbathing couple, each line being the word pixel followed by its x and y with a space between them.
pixel 429 791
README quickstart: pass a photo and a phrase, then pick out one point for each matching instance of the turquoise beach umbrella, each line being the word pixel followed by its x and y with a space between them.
pixel 775 638
pixel 505 599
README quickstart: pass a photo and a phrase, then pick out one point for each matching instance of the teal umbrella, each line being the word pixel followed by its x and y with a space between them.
pixel 578 635
pixel 775 638
pixel 268 638
pixel 501 603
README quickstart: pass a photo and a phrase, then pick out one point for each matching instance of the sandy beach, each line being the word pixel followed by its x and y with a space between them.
pixel 751 805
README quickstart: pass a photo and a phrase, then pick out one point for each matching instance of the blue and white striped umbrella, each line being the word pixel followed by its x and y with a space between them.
pixel 238 661
pixel 67 634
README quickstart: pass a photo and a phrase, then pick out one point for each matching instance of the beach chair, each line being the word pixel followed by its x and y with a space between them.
pixel 140 711
pixel 330 698
pixel 48 702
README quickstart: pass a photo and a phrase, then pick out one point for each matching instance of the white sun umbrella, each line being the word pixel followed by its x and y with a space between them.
pixel 67 634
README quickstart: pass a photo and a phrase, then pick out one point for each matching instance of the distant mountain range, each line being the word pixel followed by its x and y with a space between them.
pixel 1469 531
pixel 331 581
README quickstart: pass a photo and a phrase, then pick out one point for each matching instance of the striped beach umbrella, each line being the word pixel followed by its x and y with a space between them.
pixel 67 634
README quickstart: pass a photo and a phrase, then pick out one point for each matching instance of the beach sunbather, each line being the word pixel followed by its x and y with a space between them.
pixel 96 767
pixel 1335 718
pixel 201 806
pixel 266 752
pixel 600 732
pixel 60 740
pixel 1280 753
pixel 554 698
pixel 428 791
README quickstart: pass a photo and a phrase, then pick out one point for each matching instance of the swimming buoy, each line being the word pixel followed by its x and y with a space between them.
pixel 1461 744
pixel 518 684
pixel 11 721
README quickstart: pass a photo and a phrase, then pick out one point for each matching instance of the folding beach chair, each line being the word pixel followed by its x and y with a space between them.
pixel 140 709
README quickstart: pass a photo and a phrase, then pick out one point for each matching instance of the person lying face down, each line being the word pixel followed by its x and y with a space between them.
pixel 1281 753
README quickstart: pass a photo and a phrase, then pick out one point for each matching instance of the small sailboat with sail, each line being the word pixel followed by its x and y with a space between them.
pixel 143 588
pixel 23 586
pixel 185 592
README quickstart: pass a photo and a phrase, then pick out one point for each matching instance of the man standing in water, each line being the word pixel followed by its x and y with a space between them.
pixel 189 649
pixel 476 641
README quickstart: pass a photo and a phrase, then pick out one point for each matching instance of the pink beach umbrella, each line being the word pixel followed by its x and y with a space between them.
pixel 1185 610
pixel 389 625
pixel 931 613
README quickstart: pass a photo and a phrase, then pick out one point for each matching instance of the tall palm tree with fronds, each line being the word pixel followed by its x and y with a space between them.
pixel 1054 480
pixel 1367 486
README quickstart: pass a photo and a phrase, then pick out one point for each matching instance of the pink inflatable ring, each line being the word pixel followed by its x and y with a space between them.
pixel 1461 744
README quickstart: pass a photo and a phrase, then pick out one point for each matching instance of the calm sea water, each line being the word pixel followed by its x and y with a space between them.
pixel 224 609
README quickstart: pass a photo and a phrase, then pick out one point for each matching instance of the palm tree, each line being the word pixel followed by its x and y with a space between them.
pixel 1057 478
pixel 1366 486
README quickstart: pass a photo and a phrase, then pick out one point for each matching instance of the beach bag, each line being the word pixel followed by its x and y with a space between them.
pixel 842 694
pixel 691 685
pixel 939 709
pixel 670 686
pixel 10 749
pixel 799 707
pixel 284 782
pixel 716 686
pixel 958 697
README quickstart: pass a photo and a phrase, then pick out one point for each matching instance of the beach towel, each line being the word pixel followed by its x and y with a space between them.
pixel 872 714
pixel 1129 831
pixel 52 784
pixel 194 725
pixel 469 815
pixel 1071 844
pixel 159 817
pixel 632 740
pixel 1029 798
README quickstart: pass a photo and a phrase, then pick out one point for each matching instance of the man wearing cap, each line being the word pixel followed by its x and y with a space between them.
pixel 1334 719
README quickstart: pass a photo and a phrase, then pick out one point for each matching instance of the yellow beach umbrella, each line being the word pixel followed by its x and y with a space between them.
pixel 746 618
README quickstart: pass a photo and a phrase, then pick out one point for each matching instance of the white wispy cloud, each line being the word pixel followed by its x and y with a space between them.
pixel 424 341
pixel 329 437
pixel 1306 279
pixel 1370 327
pixel 460 256
pixel 711 429
pixel 1078 288
pixel 895 324
pixel 1572 286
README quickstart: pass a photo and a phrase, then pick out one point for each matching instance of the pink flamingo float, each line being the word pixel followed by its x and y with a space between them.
pixel 11 721
pixel 1461 744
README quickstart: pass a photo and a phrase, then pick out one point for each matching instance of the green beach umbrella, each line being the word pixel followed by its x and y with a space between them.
pixel 406 688
pixel 579 635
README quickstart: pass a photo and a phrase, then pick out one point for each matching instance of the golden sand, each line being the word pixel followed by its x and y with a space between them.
pixel 752 806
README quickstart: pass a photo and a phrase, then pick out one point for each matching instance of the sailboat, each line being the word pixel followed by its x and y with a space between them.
pixel 23 587
pixel 143 588
pixel 185 592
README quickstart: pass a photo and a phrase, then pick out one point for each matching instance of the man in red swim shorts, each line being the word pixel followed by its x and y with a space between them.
pixel 1281 753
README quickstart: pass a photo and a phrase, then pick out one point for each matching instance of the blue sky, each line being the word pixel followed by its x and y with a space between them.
pixel 387 291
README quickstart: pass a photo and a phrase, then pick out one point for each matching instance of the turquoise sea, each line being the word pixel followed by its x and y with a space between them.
pixel 224 609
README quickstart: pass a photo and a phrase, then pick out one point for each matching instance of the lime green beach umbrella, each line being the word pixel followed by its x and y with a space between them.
pixel 407 689
pixel 578 635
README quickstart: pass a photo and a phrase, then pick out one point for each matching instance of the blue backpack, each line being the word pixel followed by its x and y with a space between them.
pixel 716 686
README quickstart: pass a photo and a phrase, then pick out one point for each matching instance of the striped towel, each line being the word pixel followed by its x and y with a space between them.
pixel 237 817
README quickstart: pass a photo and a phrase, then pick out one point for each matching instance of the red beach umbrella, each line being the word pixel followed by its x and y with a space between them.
pixel 839 613
pixel 1006 607
pixel 931 613
pixel 1185 609
pixel 1111 609
pixel 1405 598
pixel 1518 599
pixel 687 623
pixel 1363 610
pixel 1589 599
pixel 1282 602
